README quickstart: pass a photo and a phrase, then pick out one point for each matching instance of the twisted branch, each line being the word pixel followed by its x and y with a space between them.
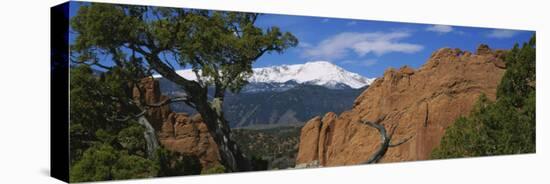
pixel 129 117
pixel 168 101
pixel 385 139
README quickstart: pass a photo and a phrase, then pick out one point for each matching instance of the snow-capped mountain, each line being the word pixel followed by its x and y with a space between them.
pixel 322 73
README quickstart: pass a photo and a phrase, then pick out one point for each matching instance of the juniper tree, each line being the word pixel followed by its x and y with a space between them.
pixel 219 47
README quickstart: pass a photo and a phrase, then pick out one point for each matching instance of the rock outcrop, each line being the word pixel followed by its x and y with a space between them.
pixel 189 135
pixel 422 103
pixel 178 132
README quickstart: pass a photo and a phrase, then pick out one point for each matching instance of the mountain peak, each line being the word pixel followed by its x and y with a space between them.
pixel 322 73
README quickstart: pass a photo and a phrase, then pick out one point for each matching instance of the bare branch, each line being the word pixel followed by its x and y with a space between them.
pixel 94 62
pixel 117 57
pixel 383 148
pixel 385 139
pixel 254 18
pixel 142 102
pixel 126 118
pixel 166 72
pixel 236 30
pixel 168 101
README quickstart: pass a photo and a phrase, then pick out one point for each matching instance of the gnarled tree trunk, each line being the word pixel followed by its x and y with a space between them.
pixel 212 114
pixel 231 156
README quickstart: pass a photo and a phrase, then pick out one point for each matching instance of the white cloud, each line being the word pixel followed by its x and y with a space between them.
pixel 442 29
pixel 379 43
pixel 501 33
pixel 364 63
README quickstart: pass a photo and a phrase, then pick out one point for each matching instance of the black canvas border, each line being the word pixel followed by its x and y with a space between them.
pixel 59 91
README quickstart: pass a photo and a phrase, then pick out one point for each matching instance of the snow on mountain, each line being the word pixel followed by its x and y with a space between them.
pixel 321 73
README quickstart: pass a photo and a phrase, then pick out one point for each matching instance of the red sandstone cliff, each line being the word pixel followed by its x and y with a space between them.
pixel 178 132
pixel 422 102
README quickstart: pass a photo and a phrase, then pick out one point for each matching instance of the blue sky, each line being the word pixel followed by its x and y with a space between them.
pixel 370 47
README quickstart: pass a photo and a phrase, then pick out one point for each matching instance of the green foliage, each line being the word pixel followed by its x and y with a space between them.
pixel 214 170
pixel 88 111
pixel 91 98
pixel 94 165
pixel 132 139
pixel 175 164
pixel 103 162
pixel 506 126
pixel 519 80
pixel 132 166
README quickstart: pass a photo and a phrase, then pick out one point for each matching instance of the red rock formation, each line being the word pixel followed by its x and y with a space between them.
pixel 309 141
pixel 178 132
pixel 422 103
pixel 189 135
